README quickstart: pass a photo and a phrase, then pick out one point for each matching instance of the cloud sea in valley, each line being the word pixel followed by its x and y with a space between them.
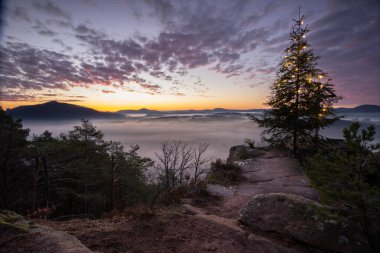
pixel 220 130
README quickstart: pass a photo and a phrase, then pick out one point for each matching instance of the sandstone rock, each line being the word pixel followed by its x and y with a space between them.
pixel 220 190
pixel 51 240
pixel 303 220
pixel 260 244
pixel 254 243
pixel 46 239
pixel 241 152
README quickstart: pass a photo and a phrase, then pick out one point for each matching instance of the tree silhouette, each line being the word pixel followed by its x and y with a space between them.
pixel 301 97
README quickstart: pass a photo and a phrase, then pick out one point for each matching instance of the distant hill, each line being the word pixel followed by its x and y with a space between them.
pixel 220 110
pixel 209 111
pixel 57 110
pixel 142 110
pixel 359 109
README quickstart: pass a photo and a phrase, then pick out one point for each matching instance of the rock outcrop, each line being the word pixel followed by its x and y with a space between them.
pixel 303 220
pixel 263 170
pixel 254 243
pixel 45 239
pixel 241 152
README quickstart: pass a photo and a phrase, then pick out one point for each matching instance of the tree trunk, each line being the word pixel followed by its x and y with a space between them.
pixel 295 122
pixel 5 171
pixel 113 187
pixel 167 179
pixel 35 182
pixel 47 181
pixel 316 137
pixel 155 198
pixel 173 179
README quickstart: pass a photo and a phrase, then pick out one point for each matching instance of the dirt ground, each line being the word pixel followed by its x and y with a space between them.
pixel 169 231
pixel 18 242
pixel 166 232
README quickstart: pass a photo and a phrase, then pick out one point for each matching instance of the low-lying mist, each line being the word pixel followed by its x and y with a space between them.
pixel 220 132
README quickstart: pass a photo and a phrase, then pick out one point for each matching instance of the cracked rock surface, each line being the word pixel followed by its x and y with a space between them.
pixel 264 171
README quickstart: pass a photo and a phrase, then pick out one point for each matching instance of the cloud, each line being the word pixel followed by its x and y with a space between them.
pixel 230 70
pixel 70 100
pixel 60 23
pixel 195 40
pixel 59 41
pixel 108 91
pixel 233 38
pixel 162 8
pixel 42 29
pixel 20 13
pixel 77 96
pixel 267 71
pixel 51 8
pixel 349 47
pixel 176 52
pixel 152 88
pixel 195 35
pixel 30 69
pixel 11 96
pixel 178 94
pixel 26 67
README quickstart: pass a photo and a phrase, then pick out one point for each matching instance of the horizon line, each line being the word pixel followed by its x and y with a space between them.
pixel 166 110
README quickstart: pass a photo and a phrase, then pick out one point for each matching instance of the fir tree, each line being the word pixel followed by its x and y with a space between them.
pixel 301 97
pixel 349 179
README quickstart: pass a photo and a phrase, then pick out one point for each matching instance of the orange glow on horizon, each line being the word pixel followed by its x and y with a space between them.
pixel 163 107
pixel 171 106
pixel 160 107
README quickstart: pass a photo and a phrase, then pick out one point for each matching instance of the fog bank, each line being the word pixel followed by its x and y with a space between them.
pixel 220 132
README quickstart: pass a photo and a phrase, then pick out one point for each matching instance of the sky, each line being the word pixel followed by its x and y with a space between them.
pixel 167 55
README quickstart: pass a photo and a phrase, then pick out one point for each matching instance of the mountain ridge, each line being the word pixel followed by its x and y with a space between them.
pixel 59 110
pixel 365 108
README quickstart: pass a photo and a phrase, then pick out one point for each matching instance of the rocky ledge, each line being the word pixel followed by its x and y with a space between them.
pixel 276 201
pixel 304 220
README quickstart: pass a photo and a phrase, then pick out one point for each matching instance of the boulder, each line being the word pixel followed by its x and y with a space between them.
pixel 304 220
pixel 35 237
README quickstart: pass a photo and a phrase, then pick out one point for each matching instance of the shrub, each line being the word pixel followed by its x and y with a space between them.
pixel 249 142
pixel 175 195
pixel 194 190
pixel 224 173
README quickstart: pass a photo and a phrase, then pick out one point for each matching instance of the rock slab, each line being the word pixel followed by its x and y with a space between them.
pixel 304 220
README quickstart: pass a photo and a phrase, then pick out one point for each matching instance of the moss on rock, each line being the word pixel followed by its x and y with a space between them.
pixel 11 221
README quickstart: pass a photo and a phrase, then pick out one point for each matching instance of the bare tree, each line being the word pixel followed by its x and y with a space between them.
pixel 176 156
pixel 173 162
pixel 199 160
pixel 177 159
pixel 187 156
pixel 165 164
